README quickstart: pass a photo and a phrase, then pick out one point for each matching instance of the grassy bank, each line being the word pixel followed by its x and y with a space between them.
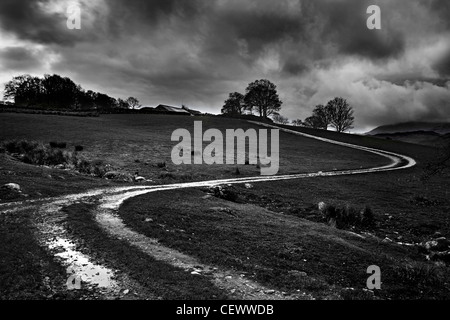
pixel 280 250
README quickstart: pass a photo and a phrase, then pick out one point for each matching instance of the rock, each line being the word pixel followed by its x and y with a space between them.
pixel 322 206
pixel 60 166
pixel 440 244
pixel 248 186
pixel 148 220
pixel 126 291
pixel 12 187
pixel 298 273
pixel 196 273
pixel 112 175
pixel 269 291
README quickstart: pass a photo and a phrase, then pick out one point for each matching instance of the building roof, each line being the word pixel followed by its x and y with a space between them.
pixel 171 109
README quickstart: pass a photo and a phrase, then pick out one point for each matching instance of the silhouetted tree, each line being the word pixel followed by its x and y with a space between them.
pixel 321 116
pixel 262 95
pixel 314 122
pixel 122 104
pixel 60 92
pixel 133 102
pixel 234 104
pixel 340 114
pixel 25 90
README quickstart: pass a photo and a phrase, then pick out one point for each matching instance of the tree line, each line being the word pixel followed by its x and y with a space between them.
pixel 56 92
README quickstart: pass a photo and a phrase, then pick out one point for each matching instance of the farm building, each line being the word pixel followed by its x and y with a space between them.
pixel 171 110
pixel 175 110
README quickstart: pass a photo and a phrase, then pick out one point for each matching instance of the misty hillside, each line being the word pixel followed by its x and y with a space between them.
pixel 439 128
pixel 424 133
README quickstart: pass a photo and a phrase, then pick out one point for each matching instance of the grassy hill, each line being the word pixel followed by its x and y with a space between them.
pixel 272 232
pixel 143 143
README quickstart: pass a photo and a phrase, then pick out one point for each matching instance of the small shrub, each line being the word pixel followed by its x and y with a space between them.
pixel 161 164
pixel 79 148
pixel 226 193
pixel 58 145
pixel 348 217
pixel 419 274
pixel 167 175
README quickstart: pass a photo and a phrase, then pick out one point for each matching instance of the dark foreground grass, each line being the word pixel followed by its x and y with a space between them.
pixel 278 250
pixel 27 271
pixel 160 279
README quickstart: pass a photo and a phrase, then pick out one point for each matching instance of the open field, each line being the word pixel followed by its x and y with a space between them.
pixel 139 142
pixel 268 240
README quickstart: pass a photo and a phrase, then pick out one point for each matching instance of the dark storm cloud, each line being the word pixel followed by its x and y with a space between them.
pixel 136 16
pixel 294 68
pixel 18 58
pixel 27 20
pixel 442 9
pixel 345 23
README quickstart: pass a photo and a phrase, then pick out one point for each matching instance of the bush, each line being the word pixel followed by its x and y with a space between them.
pixel 224 192
pixel 348 217
pixel 32 152
pixel 420 275
pixel 161 165
pixel 58 145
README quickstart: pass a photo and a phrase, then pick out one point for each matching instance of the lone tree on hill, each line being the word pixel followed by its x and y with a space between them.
pixel 340 114
pixel 234 104
pixel 262 95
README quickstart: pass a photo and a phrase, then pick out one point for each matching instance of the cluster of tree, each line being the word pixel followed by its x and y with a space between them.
pixel 337 114
pixel 260 96
pixel 56 92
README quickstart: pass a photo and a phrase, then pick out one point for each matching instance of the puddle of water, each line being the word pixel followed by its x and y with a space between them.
pixel 80 267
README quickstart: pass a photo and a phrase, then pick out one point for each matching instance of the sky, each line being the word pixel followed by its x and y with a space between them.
pixel 196 52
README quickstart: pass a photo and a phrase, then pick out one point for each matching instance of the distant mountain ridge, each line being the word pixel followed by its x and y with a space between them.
pixel 440 128
pixel 424 133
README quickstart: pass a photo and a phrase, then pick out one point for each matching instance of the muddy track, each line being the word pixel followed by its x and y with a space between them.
pixel 106 202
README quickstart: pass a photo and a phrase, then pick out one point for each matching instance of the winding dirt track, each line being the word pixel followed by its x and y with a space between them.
pixel 52 234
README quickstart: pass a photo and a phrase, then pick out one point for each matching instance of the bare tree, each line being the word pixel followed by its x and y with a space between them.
pixel 340 114
pixel 133 103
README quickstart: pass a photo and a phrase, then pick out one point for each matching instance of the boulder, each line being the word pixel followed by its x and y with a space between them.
pixel 322 206
pixel 439 245
pixel 12 187
pixel 111 175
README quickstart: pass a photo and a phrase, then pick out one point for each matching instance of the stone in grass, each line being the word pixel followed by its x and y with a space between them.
pixel 12 187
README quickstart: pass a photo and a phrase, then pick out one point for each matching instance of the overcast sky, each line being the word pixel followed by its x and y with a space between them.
pixel 198 51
